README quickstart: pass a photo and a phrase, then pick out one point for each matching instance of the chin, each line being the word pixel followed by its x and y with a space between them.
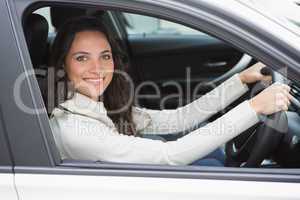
pixel 91 93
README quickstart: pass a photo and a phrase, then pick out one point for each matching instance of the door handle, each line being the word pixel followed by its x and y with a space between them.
pixel 215 64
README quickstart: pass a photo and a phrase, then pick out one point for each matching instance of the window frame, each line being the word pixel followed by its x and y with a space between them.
pixel 5 152
pixel 26 136
pixel 6 162
pixel 49 157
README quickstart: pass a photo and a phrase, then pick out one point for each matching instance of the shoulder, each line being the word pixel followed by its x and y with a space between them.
pixel 71 118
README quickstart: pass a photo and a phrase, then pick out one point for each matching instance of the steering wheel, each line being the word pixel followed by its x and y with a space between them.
pixel 250 148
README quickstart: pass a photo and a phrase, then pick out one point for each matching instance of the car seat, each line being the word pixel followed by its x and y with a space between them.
pixel 36 33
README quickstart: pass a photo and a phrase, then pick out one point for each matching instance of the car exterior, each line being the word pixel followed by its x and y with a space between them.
pixel 31 168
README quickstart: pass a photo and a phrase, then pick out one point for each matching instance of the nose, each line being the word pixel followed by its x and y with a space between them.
pixel 96 66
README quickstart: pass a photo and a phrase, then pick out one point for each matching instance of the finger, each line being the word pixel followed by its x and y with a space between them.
pixel 279 100
pixel 260 65
pixel 282 87
pixel 286 87
pixel 290 97
pixel 267 78
pixel 282 101
pixel 285 108
pixel 280 96
pixel 287 101
pixel 286 93
pixel 282 107
pixel 286 97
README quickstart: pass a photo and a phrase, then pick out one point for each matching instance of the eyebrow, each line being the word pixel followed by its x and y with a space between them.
pixel 87 53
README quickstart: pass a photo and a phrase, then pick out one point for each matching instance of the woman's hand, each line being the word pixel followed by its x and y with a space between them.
pixel 252 74
pixel 272 99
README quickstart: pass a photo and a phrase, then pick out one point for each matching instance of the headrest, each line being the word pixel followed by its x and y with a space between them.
pixel 60 14
pixel 36 33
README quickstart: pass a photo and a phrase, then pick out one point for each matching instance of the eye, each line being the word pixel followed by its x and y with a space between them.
pixel 106 57
pixel 81 58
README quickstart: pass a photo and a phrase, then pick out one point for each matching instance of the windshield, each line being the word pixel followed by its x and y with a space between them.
pixel 286 12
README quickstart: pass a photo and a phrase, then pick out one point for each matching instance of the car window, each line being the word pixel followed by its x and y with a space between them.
pixel 169 64
pixel 171 58
pixel 139 24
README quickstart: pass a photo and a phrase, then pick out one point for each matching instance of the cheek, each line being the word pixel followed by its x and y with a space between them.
pixel 111 67
pixel 111 70
pixel 74 72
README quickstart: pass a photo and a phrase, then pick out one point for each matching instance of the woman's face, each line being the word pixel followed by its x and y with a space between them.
pixel 89 63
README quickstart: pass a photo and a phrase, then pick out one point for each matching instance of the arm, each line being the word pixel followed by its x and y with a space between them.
pixel 87 139
pixel 187 117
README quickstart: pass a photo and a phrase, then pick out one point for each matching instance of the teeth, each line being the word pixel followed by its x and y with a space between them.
pixel 97 80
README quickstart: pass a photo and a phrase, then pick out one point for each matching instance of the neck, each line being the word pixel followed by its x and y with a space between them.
pixel 93 98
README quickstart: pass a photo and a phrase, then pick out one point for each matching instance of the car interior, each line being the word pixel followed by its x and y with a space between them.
pixel 163 58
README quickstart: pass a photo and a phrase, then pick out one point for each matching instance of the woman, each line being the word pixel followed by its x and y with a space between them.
pixel 98 122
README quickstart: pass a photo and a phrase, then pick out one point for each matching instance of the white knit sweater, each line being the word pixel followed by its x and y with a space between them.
pixel 84 131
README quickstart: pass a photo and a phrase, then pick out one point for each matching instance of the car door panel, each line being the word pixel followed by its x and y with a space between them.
pixel 92 187
pixel 188 60
pixel 7 186
pixel 206 56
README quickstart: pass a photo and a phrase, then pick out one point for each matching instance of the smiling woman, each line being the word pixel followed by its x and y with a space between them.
pixel 89 54
pixel 83 125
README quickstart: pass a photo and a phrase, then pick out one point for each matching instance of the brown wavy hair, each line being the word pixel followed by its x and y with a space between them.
pixel 117 94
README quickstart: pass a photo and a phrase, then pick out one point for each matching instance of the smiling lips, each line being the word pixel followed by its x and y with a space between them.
pixel 95 81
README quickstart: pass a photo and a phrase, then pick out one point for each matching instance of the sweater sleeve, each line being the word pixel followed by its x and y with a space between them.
pixel 191 115
pixel 88 139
